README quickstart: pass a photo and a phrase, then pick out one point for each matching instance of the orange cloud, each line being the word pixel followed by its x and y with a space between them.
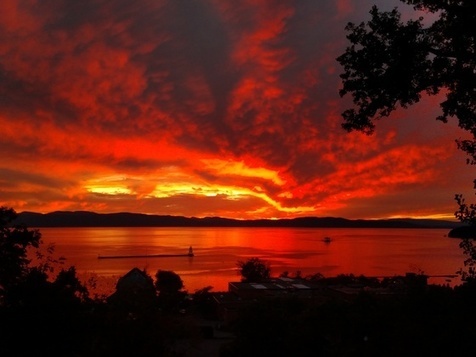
pixel 203 108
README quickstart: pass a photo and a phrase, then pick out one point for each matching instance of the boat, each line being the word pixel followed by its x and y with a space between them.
pixel 326 239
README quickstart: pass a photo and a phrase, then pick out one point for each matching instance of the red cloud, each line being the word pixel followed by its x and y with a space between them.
pixel 137 106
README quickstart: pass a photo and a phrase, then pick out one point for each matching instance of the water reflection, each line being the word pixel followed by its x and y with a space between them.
pixel 372 252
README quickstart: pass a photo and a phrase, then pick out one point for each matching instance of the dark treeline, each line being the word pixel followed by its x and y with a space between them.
pixel 91 219
pixel 45 310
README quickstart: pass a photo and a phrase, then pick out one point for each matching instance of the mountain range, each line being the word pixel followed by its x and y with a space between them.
pixel 126 219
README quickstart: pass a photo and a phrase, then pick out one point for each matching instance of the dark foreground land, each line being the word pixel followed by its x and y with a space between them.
pixel 344 316
pixel 46 312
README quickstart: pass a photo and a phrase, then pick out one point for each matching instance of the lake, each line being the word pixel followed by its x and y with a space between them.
pixel 371 252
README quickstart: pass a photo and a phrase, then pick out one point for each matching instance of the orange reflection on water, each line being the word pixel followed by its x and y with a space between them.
pixel 371 252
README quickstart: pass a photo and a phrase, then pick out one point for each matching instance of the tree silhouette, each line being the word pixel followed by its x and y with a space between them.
pixel 468 275
pixel 168 282
pixel 69 287
pixel 170 287
pixel 15 241
pixel 254 270
pixel 391 63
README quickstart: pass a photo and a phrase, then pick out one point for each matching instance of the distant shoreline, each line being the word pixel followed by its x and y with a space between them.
pixel 125 219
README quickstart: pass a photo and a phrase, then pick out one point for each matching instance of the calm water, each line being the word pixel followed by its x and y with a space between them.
pixel 372 252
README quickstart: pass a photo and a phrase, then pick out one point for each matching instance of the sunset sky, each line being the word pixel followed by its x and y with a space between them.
pixel 206 108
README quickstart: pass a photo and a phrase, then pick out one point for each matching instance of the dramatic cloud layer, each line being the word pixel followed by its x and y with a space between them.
pixel 205 108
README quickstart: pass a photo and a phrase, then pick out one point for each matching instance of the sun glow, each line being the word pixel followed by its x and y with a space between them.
pixel 239 168
pixel 110 190
pixel 436 216
pixel 110 185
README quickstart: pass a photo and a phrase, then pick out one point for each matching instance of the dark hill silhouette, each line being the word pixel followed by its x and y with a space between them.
pixel 126 219
pixel 463 232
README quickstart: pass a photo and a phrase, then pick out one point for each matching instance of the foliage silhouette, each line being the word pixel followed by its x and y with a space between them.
pixel 168 281
pixel 468 273
pixel 254 270
pixel 170 288
pixel 52 315
pixel 14 244
pixel 391 63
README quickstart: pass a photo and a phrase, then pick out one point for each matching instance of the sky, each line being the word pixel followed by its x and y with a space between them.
pixel 207 108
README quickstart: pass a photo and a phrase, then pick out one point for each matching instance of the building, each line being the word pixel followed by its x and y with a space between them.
pixel 134 291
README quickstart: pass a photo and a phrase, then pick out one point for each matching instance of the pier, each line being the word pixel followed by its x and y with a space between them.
pixel 189 254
